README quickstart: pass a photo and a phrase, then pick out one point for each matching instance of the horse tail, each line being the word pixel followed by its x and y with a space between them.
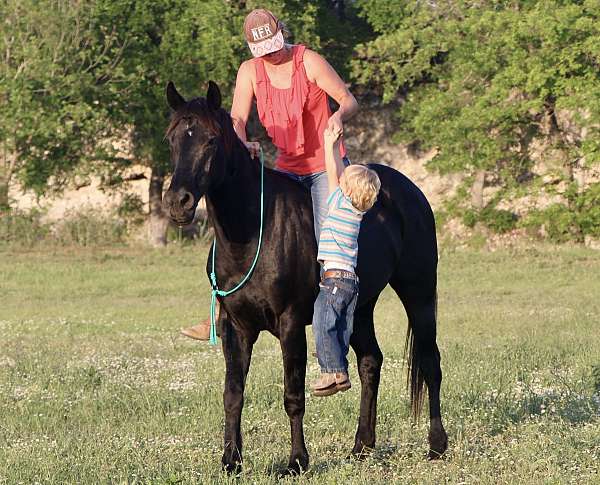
pixel 414 377
pixel 414 353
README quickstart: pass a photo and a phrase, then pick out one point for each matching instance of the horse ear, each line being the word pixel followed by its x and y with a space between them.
pixel 213 96
pixel 174 99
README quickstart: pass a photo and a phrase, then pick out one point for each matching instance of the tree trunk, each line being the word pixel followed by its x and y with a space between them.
pixel 159 222
pixel 7 168
pixel 4 205
pixel 477 190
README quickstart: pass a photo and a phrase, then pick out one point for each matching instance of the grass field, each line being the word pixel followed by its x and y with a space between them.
pixel 97 386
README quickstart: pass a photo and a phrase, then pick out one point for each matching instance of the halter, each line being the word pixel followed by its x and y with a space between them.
pixel 213 277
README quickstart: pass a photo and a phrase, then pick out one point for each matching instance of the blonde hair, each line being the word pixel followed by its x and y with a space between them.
pixel 361 185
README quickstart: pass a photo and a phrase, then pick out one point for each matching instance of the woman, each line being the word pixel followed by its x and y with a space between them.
pixel 291 85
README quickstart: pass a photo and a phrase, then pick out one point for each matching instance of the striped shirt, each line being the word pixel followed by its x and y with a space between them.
pixel 338 242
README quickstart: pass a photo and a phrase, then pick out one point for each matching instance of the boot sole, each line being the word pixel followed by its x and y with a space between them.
pixel 195 337
pixel 333 389
pixel 343 386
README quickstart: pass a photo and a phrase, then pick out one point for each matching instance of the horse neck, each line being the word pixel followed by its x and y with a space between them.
pixel 234 206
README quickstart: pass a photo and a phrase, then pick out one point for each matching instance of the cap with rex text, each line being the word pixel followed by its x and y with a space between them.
pixel 263 32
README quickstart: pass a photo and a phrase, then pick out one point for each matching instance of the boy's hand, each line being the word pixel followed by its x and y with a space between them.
pixel 331 136
pixel 335 123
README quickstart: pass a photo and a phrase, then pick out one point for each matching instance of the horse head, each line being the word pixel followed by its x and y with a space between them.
pixel 200 135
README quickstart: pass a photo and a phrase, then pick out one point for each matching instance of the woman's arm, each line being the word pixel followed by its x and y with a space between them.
pixel 242 104
pixel 320 72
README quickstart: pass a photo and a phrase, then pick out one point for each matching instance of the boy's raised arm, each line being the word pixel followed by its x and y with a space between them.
pixel 333 159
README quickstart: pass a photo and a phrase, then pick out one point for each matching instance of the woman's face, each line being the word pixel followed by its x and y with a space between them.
pixel 278 57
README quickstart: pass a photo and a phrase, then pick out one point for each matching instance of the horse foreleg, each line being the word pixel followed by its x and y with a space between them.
pixel 237 350
pixel 370 359
pixel 293 347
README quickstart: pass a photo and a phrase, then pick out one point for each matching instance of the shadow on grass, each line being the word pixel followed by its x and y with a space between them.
pixel 573 408
pixel 381 456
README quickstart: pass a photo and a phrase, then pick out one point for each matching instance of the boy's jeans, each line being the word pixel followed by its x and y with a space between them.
pixel 333 321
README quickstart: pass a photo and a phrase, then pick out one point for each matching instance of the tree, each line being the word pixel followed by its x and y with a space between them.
pixel 58 75
pixel 79 75
pixel 189 42
pixel 481 79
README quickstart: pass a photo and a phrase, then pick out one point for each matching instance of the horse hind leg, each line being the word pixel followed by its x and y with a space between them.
pixel 369 359
pixel 424 363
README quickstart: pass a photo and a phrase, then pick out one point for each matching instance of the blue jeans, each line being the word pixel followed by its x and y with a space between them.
pixel 319 191
pixel 333 321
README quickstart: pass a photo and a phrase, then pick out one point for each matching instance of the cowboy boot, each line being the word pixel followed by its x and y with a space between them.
pixel 330 383
pixel 201 331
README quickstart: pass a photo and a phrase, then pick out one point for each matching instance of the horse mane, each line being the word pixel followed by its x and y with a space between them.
pixel 218 122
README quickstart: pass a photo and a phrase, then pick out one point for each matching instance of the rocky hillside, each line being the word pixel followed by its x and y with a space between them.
pixel 369 140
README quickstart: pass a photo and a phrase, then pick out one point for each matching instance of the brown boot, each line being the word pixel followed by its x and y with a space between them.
pixel 198 332
pixel 330 383
pixel 202 330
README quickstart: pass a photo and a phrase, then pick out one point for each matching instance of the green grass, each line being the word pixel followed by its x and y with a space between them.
pixel 97 386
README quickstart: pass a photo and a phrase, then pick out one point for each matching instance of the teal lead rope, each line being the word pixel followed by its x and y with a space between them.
pixel 213 277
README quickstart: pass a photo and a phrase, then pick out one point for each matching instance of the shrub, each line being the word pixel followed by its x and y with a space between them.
pixel 83 227
pixel 578 218
pixel 24 228
pixel 470 217
pixel 587 207
pixel 497 220
pixel 557 222
pixel 90 227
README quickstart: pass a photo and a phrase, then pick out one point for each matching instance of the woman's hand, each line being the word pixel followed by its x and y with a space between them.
pixel 253 147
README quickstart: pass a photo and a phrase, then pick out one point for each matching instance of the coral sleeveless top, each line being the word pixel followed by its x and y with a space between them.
pixel 294 118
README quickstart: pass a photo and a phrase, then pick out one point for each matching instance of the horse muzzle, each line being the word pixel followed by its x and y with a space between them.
pixel 180 206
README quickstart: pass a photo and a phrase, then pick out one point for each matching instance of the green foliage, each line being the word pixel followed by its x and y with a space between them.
pixel 557 221
pixel 478 78
pixel 186 42
pixel 587 209
pixel 470 217
pixel 59 72
pixel 76 73
pixel 338 38
pixel 497 220
pixel 574 220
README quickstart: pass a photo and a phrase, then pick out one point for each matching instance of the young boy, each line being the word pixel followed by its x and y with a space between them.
pixel 353 190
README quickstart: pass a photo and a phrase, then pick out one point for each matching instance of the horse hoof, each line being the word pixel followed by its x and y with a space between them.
pixel 296 467
pixel 231 468
pixel 361 452
pixel 438 443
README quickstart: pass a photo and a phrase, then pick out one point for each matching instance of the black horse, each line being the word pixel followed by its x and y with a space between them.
pixel 397 246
